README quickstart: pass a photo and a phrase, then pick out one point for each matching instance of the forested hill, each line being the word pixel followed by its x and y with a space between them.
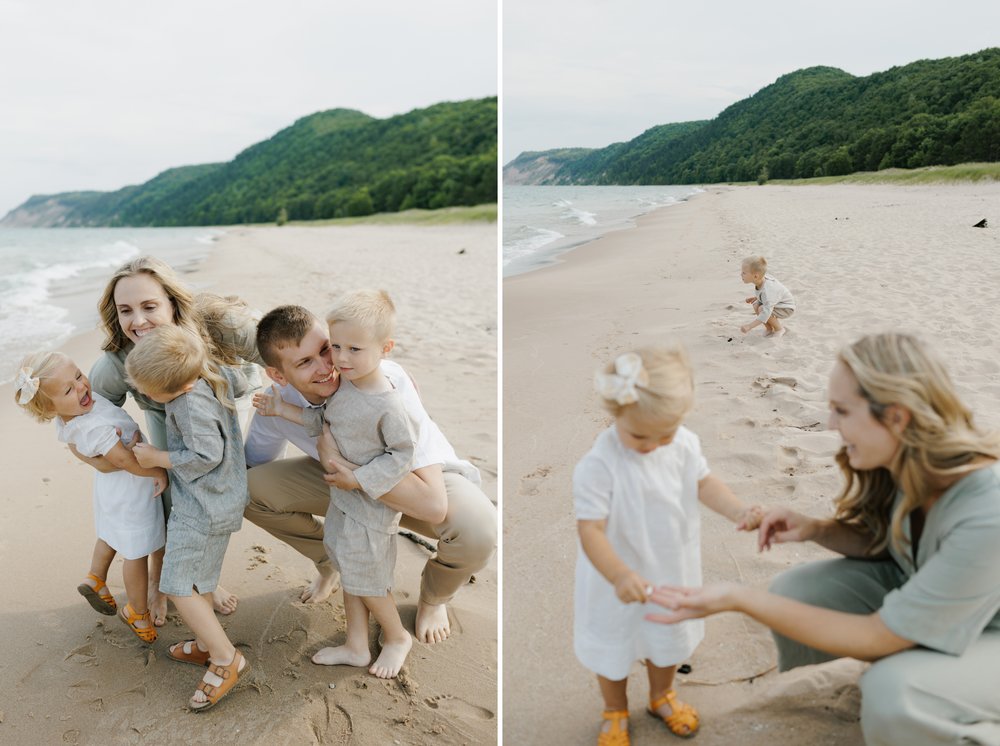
pixel 334 163
pixel 820 121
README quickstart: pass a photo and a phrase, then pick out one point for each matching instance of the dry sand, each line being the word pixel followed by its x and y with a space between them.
pixel 71 676
pixel 859 259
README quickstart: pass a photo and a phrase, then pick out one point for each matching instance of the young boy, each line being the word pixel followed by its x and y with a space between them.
pixel 371 428
pixel 171 365
pixel 772 301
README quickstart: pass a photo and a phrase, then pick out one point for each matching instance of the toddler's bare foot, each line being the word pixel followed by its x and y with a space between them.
pixel 223 601
pixel 432 623
pixel 341 655
pixel 321 587
pixel 157 605
pixel 779 334
pixel 392 658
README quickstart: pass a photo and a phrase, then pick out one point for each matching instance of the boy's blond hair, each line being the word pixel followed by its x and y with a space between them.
pixel 664 386
pixel 756 264
pixel 371 309
pixel 169 358
pixel 39 365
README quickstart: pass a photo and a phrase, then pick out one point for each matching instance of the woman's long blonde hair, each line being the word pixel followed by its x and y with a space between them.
pixel 939 443
pixel 215 318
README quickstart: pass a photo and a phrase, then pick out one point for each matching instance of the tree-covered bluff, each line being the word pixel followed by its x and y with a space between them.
pixel 820 121
pixel 336 163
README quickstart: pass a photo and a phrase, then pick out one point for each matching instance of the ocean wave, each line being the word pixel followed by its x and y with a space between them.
pixel 526 240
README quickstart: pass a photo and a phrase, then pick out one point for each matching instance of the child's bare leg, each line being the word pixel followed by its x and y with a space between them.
pixel 774 327
pixel 135 573
pixel 322 585
pixel 355 651
pixel 100 561
pixel 156 600
pixel 197 612
pixel 615 697
pixel 661 680
pixel 223 601
pixel 396 641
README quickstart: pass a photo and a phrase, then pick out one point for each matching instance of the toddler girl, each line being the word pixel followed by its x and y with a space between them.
pixel 636 497
pixel 171 365
pixel 128 515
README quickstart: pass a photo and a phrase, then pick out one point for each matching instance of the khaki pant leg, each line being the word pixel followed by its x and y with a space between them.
pixel 285 498
pixel 850 585
pixel 922 697
pixel 467 539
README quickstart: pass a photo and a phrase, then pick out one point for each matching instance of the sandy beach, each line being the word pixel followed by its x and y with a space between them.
pixel 72 676
pixel 859 259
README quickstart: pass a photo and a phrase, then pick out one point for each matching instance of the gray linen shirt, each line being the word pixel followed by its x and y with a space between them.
pixel 209 472
pixel 374 431
pixel 952 591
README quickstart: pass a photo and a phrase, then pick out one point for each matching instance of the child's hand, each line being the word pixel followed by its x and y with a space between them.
pixel 146 455
pixel 161 481
pixel 340 477
pixel 631 588
pixel 751 518
pixel 751 299
pixel 745 328
pixel 267 404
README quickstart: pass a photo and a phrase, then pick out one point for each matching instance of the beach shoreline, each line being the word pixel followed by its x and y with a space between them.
pixel 859 259
pixel 75 677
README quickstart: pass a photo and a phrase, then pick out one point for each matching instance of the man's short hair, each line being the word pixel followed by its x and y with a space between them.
pixel 282 327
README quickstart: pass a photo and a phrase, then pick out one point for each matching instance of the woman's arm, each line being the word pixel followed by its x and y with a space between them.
pixel 629 586
pixel 781 525
pixel 861 636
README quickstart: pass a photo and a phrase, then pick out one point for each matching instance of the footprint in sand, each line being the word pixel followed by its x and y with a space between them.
pixel 451 705
pixel 530 482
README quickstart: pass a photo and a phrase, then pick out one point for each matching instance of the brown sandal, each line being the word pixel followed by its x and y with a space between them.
pixel 683 718
pixel 230 676
pixel 103 603
pixel 128 615
pixel 188 652
pixel 617 734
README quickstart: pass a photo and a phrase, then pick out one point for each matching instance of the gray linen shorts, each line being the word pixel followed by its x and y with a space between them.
pixel 193 559
pixel 365 557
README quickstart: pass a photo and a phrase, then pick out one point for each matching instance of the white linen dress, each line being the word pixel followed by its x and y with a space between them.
pixel 650 503
pixel 126 515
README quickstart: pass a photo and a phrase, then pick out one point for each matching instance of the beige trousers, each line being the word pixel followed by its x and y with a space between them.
pixel 287 495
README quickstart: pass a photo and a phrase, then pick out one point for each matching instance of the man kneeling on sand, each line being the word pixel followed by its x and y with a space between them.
pixel 286 495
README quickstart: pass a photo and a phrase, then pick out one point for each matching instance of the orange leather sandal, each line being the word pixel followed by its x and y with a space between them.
pixel 103 603
pixel 128 615
pixel 683 718
pixel 617 734
pixel 230 676
pixel 188 652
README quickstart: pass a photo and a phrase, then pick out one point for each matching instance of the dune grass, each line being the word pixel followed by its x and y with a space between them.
pixel 963 172
pixel 444 216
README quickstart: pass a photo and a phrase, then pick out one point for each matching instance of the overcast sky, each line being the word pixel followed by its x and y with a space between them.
pixel 587 73
pixel 101 94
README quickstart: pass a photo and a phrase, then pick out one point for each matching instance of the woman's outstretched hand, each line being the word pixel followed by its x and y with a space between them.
pixel 692 603
pixel 782 525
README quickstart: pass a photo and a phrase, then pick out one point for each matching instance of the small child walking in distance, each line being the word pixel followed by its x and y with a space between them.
pixel 171 365
pixel 636 495
pixel 128 514
pixel 771 300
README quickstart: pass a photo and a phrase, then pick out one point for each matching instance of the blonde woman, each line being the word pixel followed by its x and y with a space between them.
pixel 142 295
pixel 918 523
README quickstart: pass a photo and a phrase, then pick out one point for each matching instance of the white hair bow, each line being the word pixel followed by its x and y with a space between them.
pixel 620 385
pixel 26 385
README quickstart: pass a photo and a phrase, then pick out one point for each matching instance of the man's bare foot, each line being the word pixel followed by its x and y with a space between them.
pixel 341 655
pixel 392 658
pixel 223 601
pixel 157 605
pixel 432 623
pixel 321 587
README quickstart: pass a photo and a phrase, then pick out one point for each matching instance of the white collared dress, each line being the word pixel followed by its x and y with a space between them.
pixel 650 503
